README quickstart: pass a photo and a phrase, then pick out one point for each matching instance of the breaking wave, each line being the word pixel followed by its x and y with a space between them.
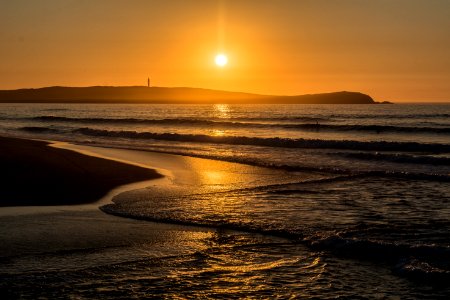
pixel 37 129
pixel 397 157
pixel 253 123
pixel 272 142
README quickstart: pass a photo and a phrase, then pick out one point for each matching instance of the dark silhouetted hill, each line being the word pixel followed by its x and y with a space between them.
pixel 142 94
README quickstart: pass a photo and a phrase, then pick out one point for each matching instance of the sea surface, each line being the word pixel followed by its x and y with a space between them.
pixel 373 221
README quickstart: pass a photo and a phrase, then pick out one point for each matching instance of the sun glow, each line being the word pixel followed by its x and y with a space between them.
pixel 221 60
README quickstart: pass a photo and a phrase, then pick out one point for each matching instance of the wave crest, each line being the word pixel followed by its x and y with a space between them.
pixel 253 123
pixel 272 142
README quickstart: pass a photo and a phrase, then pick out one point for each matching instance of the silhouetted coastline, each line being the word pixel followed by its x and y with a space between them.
pixel 165 95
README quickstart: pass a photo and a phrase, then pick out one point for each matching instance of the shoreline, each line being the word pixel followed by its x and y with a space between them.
pixel 35 173
pixel 164 173
pixel 89 234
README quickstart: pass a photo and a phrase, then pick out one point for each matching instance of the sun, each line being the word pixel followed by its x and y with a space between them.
pixel 221 60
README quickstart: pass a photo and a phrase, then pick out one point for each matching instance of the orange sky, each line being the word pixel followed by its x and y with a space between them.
pixel 390 49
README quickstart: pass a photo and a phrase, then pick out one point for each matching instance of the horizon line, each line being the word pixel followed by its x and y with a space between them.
pixel 421 101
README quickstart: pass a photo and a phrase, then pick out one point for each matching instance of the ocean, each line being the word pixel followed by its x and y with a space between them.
pixel 362 208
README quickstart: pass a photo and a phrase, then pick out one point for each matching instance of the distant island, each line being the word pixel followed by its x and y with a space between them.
pixel 143 94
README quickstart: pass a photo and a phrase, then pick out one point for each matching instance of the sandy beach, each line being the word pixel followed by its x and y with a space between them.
pixel 35 174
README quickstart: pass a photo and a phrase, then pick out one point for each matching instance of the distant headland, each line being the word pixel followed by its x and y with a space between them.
pixel 143 94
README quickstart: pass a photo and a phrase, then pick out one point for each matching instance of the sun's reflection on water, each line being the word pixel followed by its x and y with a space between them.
pixel 222 111
pixel 218 132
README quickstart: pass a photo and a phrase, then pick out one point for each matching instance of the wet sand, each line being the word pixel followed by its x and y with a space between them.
pixel 71 240
pixel 32 173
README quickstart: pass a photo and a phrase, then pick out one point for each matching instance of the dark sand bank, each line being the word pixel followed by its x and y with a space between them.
pixel 32 173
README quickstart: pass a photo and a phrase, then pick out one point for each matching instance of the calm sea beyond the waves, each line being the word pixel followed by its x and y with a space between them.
pixel 363 208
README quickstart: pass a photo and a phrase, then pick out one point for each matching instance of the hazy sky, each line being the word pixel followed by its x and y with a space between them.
pixel 391 49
